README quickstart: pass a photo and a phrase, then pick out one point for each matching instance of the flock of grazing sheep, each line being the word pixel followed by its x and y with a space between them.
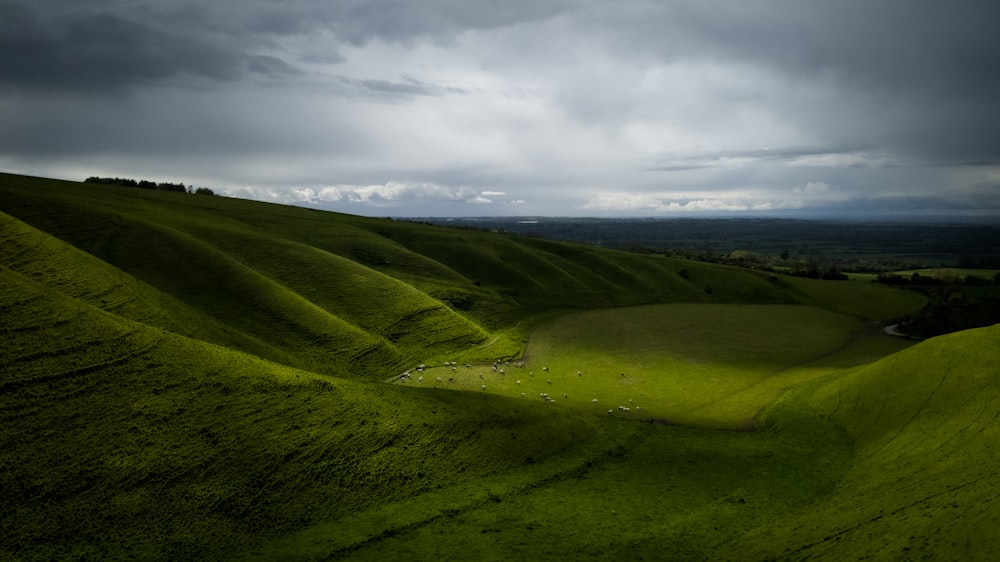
pixel 498 369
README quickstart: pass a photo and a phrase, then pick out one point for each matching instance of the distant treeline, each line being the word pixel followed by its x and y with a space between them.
pixel 917 280
pixel 146 184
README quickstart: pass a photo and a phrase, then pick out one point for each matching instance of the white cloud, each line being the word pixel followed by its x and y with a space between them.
pixel 661 203
pixel 388 194
pixel 812 188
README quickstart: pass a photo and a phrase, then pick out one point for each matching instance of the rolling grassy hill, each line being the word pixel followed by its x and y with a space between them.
pixel 196 377
pixel 353 296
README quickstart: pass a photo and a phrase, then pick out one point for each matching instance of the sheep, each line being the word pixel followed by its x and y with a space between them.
pixel 579 373
pixel 518 381
pixel 610 412
pixel 638 408
pixel 523 394
pixel 437 379
pixel 565 395
pixel 594 400
pixel 629 400
pixel 420 378
pixel 501 371
pixel 483 387
pixel 451 379
pixel 548 381
pixel 545 369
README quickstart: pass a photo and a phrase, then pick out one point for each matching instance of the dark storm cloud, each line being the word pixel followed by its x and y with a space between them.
pixel 100 51
pixel 571 106
pixel 361 21
pixel 94 45
pixel 919 75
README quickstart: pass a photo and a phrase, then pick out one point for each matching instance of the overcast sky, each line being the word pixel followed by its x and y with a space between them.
pixel 521 107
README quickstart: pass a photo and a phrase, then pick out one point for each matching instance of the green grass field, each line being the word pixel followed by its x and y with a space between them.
pixel 190 377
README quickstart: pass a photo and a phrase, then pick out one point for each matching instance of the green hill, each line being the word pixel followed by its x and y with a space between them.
pixel 197 377
pixel 923 480
pixel 342 294
pixel 125 441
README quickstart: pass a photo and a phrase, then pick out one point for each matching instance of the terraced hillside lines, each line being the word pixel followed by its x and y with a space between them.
pixel 32 358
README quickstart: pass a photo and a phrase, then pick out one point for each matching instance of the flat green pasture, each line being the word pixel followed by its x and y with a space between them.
pixel 707 365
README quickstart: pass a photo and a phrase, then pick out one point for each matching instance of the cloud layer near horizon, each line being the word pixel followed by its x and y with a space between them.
pixel 545 107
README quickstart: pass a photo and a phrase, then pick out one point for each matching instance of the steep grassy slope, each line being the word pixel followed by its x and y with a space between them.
pixel 124 441
pixel 926 459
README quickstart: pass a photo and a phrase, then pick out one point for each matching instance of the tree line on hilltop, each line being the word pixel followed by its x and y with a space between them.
pixel 146 184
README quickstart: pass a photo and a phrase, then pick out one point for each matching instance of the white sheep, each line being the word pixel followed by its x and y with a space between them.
pixel 483 387
pixel 594 400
